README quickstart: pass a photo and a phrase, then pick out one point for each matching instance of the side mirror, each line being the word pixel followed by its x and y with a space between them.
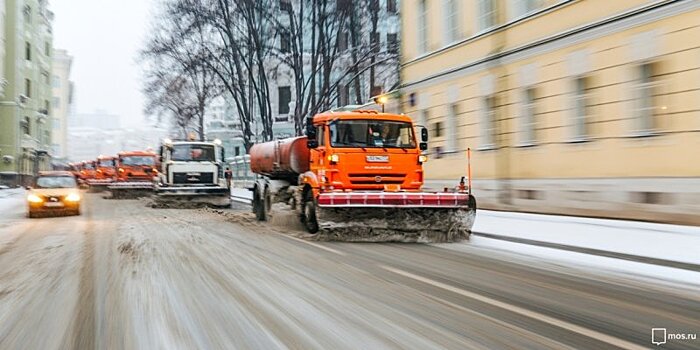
pixel 27 187
pixel 424 134
pixel 311 143
pixel 423 146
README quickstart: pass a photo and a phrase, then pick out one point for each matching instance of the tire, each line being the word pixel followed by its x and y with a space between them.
pixel 308 208
pixel 259 206
pixel 31 214
pixel 77 211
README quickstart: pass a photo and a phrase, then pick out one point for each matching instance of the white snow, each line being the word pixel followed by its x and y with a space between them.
pixel 662 241
pixel 11 198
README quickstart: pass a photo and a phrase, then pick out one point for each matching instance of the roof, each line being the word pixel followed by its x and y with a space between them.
pixel 136 153
pixel 55 173
pixel 360 114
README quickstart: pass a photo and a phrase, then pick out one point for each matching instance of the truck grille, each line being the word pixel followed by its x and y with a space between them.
pixel 193 178
pixel 377 179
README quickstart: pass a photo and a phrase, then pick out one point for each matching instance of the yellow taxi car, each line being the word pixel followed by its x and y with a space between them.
pixel 54 192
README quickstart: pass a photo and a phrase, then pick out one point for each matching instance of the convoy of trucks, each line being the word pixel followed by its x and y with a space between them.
pixel 357 175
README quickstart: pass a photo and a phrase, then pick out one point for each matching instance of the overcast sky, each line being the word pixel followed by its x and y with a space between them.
pixel 104 38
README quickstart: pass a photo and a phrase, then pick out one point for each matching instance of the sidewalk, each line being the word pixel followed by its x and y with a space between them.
pixel 657 241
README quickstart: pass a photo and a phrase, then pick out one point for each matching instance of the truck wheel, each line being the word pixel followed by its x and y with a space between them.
pixel 259 207
pixel 309 212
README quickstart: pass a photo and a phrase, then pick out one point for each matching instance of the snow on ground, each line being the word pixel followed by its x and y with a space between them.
pixel 585 263
pixel 662 241
pixel 10 198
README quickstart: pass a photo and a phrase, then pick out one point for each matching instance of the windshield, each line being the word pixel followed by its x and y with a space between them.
pixel 372 133
pixel 106 163
pixel 88 166
pixel 137 160
pixel 193 152
pixel 55 182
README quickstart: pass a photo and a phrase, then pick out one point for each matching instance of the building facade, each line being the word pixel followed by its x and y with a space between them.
pixel 25 124
pixel 569 107
pixel 62 101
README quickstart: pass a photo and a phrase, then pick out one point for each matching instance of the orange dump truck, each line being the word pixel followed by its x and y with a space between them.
pixel 135 173
pixel 87 170
pixel 358 176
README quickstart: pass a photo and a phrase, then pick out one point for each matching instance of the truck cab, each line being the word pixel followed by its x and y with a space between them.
pixel 365 150
pixel 105 168
pixel 191 163
pixel 136 166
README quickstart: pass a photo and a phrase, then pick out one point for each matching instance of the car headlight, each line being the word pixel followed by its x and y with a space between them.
pixel 73 197
pixel 34 198
pixel 422 159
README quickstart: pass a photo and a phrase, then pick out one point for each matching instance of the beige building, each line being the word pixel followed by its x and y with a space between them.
pixel 62 89
pixel 583 107
pixel 3 80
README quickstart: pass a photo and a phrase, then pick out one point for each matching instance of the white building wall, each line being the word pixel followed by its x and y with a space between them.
pixel 61 103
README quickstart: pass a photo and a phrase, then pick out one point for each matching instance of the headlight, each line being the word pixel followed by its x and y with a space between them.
pixel 333 158
pixel 73 197
pixel 422 159
pixel 34 198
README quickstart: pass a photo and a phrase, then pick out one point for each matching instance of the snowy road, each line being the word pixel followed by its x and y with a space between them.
pixel 123 276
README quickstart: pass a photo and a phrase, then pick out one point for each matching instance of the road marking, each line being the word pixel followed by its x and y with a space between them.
pixel 519 310
pixel 314 244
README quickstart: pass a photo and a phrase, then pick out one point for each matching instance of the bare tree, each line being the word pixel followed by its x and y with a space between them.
pixel 176 61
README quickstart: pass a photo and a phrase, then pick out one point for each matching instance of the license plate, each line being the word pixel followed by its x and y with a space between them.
pixel 378 159
pixel 53 205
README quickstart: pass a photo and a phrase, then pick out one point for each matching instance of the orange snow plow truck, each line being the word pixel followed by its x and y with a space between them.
pixel 358 176
pixel 135 173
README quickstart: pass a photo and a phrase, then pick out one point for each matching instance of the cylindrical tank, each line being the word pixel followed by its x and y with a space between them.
pixel 280 159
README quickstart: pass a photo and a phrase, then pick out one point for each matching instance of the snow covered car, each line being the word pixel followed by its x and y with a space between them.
pixel 54 192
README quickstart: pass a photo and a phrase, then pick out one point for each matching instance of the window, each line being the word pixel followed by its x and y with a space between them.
pixel 437 129
pixel 285 41
pixel 56 124
pixel 487 14
pixel 645 98
pixel 375 41
pixel 371 133
pixel 47 107
pixel 27 51
pixel 26 126
pixel 392 42
pixel 284 96
pixel 374 5
pixel 47 49
pixel 343 95
pixel 56 81
pixel 285 5
pixel 343 4
pixel 488 122
pixel 528 124
pixel 320 135
pixel 580 108
pixel 237 151
pixel 452 21
pixel 422 26
pixel 523 7
pixel 28 88
pixel 391 6
pixel 27 14
pixel 452 128
pixel 343 37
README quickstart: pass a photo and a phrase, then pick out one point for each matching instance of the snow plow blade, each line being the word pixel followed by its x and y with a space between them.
pixel 98 185
pixel 191 197
pixel 131 190
pixel 395 216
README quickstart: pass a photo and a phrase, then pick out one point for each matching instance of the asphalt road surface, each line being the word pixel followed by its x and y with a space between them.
pixel 125 276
